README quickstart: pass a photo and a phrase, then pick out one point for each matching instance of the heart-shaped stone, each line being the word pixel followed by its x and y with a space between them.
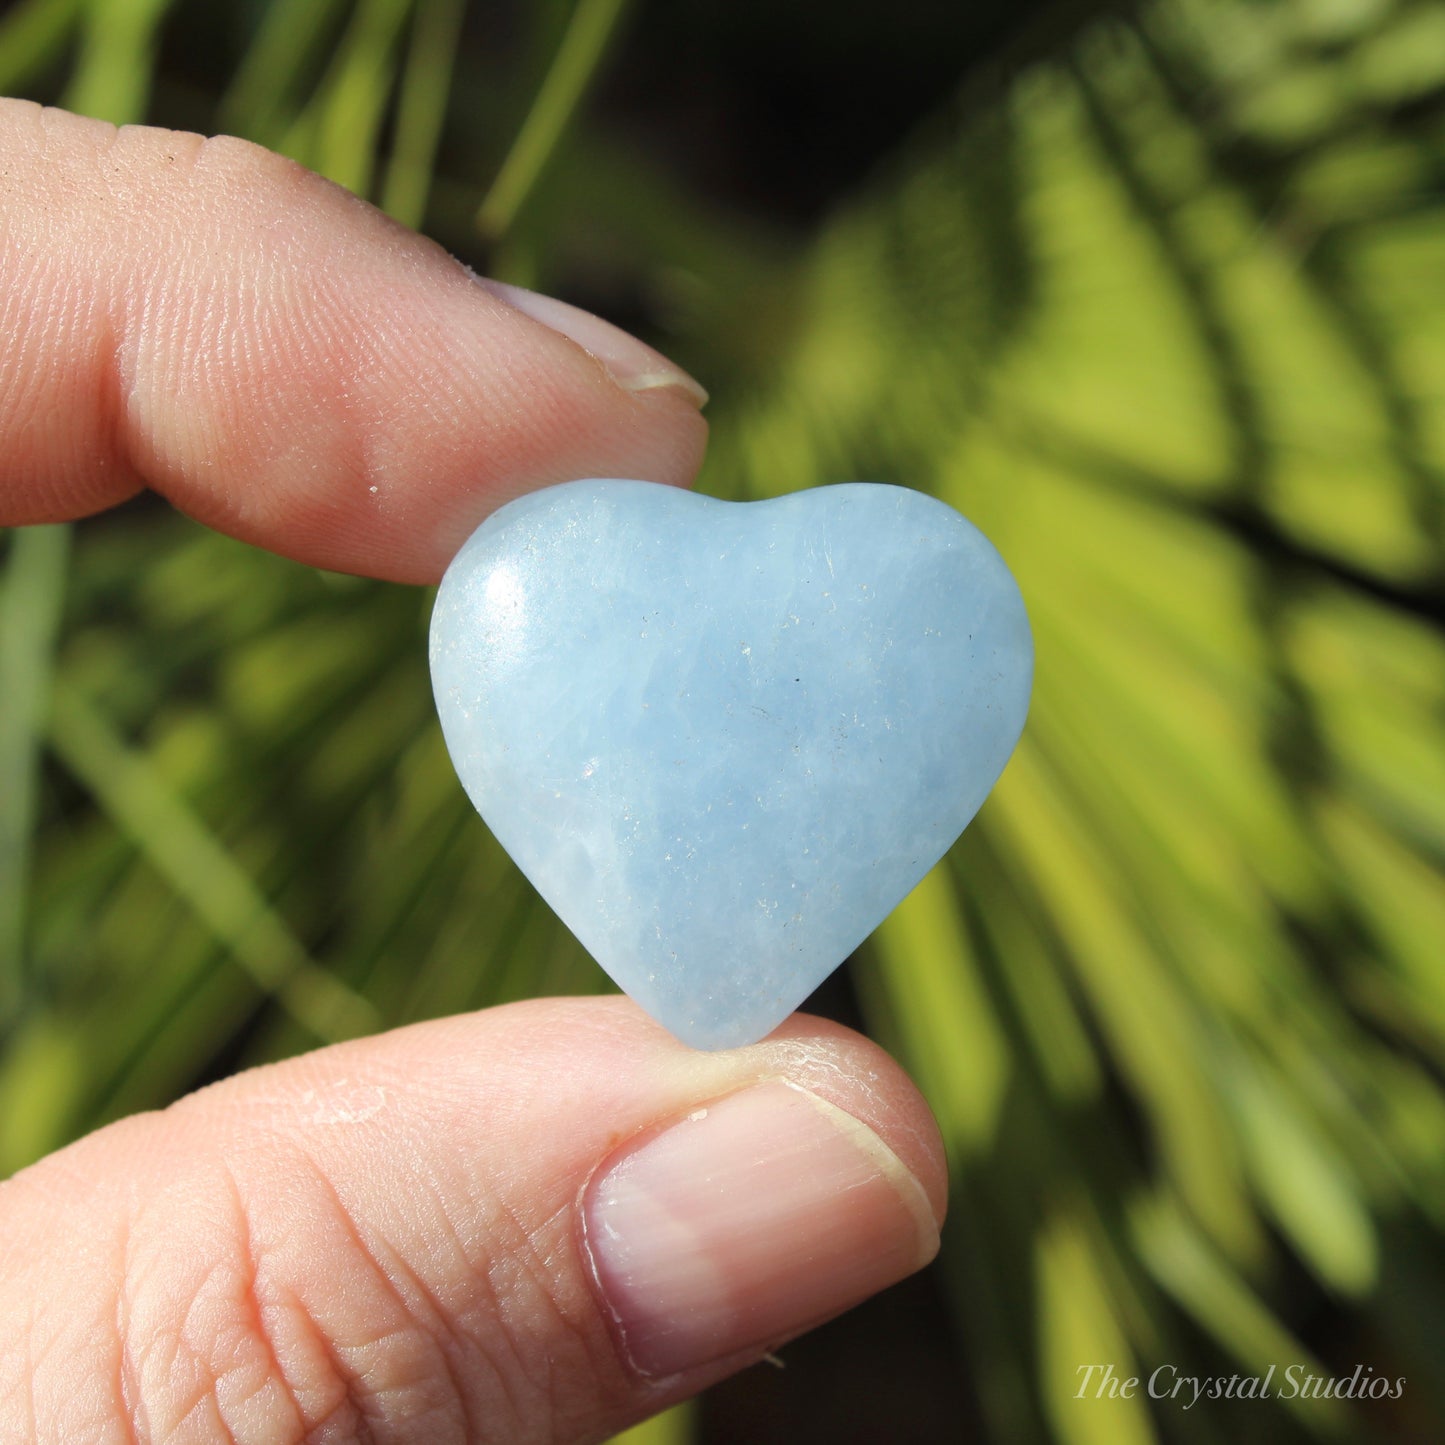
pixel 725 739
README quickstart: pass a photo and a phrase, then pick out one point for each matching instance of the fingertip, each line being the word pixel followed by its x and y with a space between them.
pixel 630 363
pixel 862 1077
pixel 694 1227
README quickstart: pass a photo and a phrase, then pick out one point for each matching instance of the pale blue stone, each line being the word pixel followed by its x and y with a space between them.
pixel 725 739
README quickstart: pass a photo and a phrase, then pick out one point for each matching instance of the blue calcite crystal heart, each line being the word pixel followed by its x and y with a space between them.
pixel 725 739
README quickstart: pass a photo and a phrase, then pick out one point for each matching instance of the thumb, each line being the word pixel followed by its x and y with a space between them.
pixel 542 1222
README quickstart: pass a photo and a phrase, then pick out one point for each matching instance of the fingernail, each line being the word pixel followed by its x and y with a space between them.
pixel 745 1223
pixel 631 364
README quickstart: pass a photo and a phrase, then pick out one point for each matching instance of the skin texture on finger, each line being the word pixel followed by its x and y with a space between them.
pixel 282 361
pixel 539 1223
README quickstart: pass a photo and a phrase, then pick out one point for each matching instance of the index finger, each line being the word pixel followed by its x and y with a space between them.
pixel 283 362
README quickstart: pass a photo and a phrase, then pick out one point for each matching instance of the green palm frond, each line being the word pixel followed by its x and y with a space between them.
pixel 1163 348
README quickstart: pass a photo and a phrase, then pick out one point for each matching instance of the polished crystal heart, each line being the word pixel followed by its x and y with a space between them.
pixel 725 739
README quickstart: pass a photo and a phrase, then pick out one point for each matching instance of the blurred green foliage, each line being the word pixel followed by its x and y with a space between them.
pixel 1157 297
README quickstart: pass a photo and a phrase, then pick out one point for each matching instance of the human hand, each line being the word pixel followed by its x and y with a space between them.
pixel 540 1222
